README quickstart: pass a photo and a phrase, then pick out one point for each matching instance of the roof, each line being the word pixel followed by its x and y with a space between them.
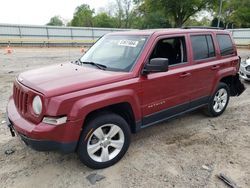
pixel 166 31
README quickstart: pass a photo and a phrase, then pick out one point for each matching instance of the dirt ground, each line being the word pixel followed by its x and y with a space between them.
pixel 170 154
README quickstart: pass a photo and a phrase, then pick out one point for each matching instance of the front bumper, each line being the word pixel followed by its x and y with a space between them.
pixel 244 74
pixel 43 145
pixel 43 137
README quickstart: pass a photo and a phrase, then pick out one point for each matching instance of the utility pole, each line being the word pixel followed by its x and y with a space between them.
pixel 219 15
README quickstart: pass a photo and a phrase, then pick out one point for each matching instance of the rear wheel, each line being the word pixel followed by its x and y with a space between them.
pixel 104 141
pixel 219 101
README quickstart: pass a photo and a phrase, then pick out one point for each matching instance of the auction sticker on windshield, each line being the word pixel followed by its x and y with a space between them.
pixel 129 43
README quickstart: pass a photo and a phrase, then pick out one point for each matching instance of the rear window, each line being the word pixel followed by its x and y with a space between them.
pixel 202 46
pixel 225 43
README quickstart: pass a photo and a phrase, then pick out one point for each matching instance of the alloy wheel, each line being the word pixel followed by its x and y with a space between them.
pixel 105 143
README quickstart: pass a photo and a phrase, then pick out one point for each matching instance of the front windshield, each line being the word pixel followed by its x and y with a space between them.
pixel 117 53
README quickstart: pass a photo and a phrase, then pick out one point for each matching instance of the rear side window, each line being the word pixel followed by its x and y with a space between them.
pixel 225 43
pixel 202 46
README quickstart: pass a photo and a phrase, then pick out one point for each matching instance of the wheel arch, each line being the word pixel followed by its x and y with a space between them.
pixel 234 84
pixel 122 109
pixel 230 77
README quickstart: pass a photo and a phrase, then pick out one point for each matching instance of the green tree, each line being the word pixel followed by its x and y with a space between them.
pixel 104 20
pixel 178 11
pixel 150 15
pixel 234 13
pixel 226 13
pixel 195 22
pixel 123 13
pixel 83 16
pixel 241 14
pixel 55 21
pixel 127 8
pixel 214 23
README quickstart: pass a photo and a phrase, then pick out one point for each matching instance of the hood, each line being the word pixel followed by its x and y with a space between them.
pixel 248 61
pixel 68 77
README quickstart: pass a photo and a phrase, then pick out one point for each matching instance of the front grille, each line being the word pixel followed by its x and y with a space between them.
pixel 248 76
pixel 20 99
pixel 248 68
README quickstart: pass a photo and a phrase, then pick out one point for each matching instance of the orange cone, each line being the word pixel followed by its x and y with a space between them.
pixel 82 50
pixel 8 50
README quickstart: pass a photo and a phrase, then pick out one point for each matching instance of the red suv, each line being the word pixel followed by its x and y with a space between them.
pixel 125 82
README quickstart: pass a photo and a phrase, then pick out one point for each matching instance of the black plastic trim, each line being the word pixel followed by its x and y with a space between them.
pixel 43 145
pixel 9 124
pixel 237 87
pixel 138 125
pixel 173 112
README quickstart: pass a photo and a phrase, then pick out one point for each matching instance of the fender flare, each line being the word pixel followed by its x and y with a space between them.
pixel 230 71
pixel 86 105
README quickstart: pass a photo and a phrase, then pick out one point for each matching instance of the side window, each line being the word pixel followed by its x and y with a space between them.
pixel 172 48
pixel 225 43
pixel 202 46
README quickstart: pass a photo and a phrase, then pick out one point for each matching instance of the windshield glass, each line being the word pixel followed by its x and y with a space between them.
pixel 117 53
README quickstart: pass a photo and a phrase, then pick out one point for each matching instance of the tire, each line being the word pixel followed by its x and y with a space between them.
pixel 218 102
pixel 104 141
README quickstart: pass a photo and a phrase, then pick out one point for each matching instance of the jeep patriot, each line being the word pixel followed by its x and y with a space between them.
pixel 125 82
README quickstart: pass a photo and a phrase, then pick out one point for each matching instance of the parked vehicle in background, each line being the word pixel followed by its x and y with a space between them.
pixel 245 69
pixel 125 82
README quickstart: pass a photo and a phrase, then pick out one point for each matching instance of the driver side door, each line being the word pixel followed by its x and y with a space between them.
pixel 166 94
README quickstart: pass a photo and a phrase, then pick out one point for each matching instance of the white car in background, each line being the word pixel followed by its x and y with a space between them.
pixel 245 69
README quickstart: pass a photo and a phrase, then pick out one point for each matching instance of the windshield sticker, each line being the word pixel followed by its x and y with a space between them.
pixel 129 43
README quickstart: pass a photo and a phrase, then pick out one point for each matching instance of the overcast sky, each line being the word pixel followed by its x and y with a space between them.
pixel 39 12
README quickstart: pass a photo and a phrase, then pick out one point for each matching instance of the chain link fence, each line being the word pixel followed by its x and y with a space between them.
pixel 30 35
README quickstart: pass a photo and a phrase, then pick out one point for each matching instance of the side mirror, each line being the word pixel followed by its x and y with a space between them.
pixel 156 65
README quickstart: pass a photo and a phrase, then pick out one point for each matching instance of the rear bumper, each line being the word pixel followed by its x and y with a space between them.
pixel 43 137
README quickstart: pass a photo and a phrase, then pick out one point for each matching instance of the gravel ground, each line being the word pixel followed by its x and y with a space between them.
pixel 171 154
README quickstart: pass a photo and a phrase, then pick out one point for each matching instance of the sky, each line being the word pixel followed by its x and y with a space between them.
pixel 39 12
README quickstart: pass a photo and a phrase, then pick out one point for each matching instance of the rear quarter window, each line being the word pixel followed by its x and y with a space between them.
pixel 225 44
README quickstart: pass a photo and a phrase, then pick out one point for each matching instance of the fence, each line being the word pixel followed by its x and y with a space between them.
pixel 30 35
pixel 241 36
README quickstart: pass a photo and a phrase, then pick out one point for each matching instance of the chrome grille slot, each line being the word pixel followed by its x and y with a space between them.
pixel 20 99
pixel 25 103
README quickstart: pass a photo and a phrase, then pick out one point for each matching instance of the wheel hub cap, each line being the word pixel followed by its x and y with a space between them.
pixel 220 100
pixel 105 143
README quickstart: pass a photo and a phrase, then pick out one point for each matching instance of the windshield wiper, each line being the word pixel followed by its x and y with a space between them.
pixel 100 66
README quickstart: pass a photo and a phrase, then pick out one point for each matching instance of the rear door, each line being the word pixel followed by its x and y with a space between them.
pixel 205 65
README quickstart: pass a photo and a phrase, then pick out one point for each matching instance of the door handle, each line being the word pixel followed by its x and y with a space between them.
pixel 215 67
pixel 185 74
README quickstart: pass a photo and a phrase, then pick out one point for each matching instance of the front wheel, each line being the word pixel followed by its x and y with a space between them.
pixel 219 101
pixel 104 141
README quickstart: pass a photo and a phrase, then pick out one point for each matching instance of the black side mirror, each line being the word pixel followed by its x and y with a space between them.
pixel 156 65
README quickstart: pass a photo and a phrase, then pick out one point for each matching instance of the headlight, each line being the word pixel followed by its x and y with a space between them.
pixel 37 105
pixel 243 63
pixel 248 68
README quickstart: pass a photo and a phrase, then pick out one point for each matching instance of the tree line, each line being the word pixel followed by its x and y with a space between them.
pixel 143 14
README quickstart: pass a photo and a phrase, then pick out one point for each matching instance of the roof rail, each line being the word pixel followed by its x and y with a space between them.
pixel 201 27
